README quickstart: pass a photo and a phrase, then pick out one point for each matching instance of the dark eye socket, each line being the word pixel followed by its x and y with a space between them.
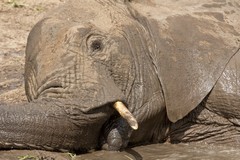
pixel 96 45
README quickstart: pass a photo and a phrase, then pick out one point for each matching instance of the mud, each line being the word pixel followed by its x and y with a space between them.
pixel 149 152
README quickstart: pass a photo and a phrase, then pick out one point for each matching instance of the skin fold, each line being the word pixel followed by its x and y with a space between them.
pixel 176 70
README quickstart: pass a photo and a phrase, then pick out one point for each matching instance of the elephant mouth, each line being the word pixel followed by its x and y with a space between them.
pixel 121 112
pixel 103 128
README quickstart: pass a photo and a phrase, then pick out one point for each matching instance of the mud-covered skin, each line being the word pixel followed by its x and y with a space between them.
pixel 171 67
pixel 216 119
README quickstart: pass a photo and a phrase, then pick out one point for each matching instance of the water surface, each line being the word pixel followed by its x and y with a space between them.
pixel 169 152
pixel 148 152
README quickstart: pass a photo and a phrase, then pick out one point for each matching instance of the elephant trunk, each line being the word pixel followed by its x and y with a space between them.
pixel 44 126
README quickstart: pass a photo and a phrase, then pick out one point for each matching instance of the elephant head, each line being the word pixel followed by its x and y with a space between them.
pixel 80 60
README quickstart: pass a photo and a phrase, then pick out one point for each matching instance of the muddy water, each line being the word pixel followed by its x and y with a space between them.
pixel 149 152
pixel 170 152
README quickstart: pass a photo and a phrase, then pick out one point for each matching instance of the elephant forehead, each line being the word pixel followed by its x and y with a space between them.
pixel 103 15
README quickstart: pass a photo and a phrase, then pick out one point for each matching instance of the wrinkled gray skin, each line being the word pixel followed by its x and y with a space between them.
pixel 177 69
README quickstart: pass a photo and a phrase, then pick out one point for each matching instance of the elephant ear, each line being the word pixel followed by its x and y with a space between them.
pixel 193 53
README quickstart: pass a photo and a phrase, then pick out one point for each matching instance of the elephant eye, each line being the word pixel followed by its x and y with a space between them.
pixel 96 45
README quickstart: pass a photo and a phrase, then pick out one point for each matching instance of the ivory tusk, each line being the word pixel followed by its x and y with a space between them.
pixel 126 114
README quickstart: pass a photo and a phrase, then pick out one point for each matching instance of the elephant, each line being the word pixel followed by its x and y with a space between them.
pixel 111 74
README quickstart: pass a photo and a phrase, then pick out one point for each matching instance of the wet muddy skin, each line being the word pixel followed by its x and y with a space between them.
pixel 14 28
pixel 148 152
